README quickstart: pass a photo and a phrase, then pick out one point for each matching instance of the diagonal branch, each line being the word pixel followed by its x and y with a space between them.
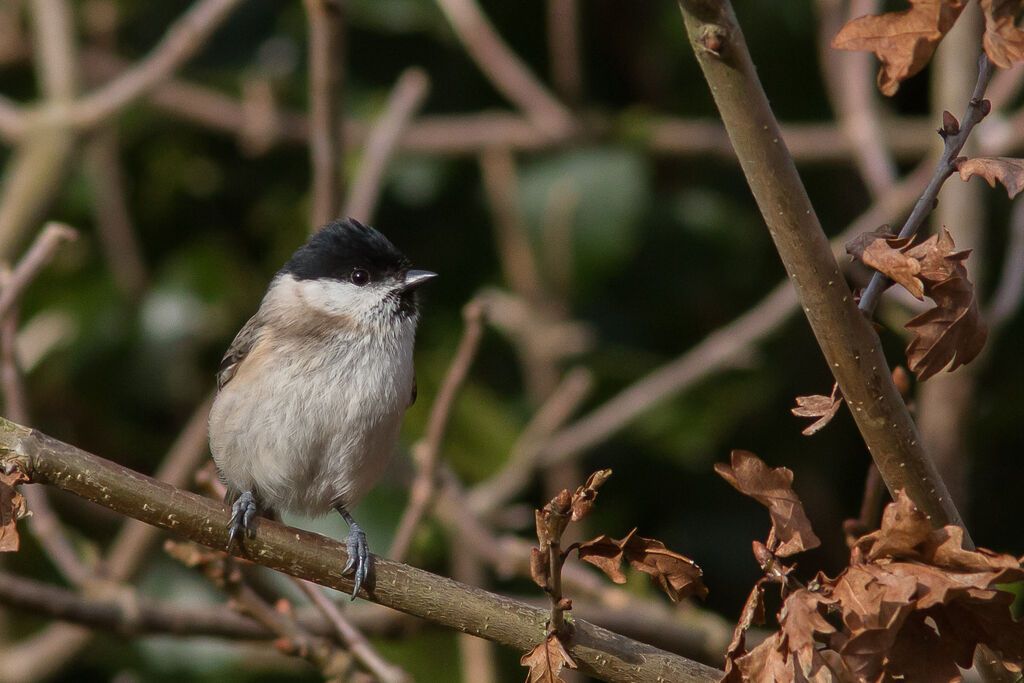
pixel 183 39
pixel 977 109
pixel 599 652
pixel 847 340
pixel 509 74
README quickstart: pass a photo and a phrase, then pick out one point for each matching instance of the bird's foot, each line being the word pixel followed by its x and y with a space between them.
pixel 242 512
pixel 358 552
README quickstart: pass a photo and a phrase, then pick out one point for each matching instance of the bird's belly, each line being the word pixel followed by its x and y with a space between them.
pixel 305 442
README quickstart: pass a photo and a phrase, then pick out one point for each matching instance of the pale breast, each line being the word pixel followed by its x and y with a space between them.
pixel 311 423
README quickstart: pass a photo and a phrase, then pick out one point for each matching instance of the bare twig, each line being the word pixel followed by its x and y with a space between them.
pixel 461 134
pixel 138 615
pixel 405 100
pixel 326 55
pixel 507 483
pixel 564 49
pixel 350 636
pixel 850 81
pixel 300 553
pixel 110 208
pixel 40 253
pixel 185 37
pixel 54 46
pixel 1010 290
pixel 427 452
pixel 505 69
pixel 977 109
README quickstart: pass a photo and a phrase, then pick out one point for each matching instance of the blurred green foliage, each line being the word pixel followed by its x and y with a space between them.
pixel 664 250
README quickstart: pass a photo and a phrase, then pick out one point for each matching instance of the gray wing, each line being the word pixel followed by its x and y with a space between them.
pixel 239 349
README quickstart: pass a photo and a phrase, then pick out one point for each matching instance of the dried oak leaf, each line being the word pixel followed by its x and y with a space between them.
pixel 773 488
pixel 903 41
pixel 678 575
pixel 1006 170
pixel 900 268
pixel 856 246
pixel 583 499
pixel 949 335
pixel 1003 41
pixel 752 613
pixel 822 407
pixel 546 660
pixel 12 508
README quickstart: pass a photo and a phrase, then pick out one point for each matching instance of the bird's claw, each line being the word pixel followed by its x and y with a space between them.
pixel 358 557
pixel 242 512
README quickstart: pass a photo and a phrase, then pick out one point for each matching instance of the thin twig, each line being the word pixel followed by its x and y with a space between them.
pixel 350 636
pixel 54 45
pixel 116 233
pixel 461 134
pixel 977 109
pixel 126 613
pixel 563 24
pixel 498 489
pixel 326 55
pixel 185 37
pixel 12 120
pixel 427 451
pixel 509 74
pixel 1010 290
pixel 38 255
pixel 851 87
pixel 405 100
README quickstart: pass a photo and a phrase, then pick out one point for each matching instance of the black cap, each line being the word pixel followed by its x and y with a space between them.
pixel 339 248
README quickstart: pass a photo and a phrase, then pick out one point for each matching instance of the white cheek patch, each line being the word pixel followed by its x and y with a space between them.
pixel 337 297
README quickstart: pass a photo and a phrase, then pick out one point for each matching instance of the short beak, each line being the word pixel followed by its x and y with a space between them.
pixel 415 278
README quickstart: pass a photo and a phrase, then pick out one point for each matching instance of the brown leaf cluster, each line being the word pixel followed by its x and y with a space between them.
pixel 1005 170
pixel 676 574
pixel 904 41
pixel 950 334
pixel 546 660
pixel 12 508
pixel 912 606
pixel 773 488
pixel 817 405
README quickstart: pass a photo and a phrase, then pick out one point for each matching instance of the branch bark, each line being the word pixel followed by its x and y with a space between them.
pixel 599 652
pixel 847 340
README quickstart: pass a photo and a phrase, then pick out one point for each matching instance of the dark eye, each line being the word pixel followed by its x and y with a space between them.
pixel 359 277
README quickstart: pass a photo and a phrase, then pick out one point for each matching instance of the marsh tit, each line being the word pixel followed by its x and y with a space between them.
pixel 311 393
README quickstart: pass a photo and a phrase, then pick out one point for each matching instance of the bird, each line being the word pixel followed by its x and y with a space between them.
pixel 312 391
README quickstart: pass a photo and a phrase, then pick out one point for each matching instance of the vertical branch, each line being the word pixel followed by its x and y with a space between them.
pixel 40 162
pixel 326 65
pixel 116 233
pixel 564 49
